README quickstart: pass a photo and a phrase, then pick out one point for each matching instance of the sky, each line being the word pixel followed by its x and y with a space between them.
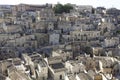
pixel 94 3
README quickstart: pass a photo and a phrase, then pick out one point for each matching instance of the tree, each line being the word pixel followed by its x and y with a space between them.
pixel 88 50
pixel 67 8
pixel 105 30
pixel 118 31
pixel 59 8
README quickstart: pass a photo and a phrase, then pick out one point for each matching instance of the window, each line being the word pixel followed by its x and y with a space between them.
pixel 98 34
pixel 43 78
pixel 60 77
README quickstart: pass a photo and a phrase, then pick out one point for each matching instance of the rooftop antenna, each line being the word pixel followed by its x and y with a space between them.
pixel 58 2
pixel 112 6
